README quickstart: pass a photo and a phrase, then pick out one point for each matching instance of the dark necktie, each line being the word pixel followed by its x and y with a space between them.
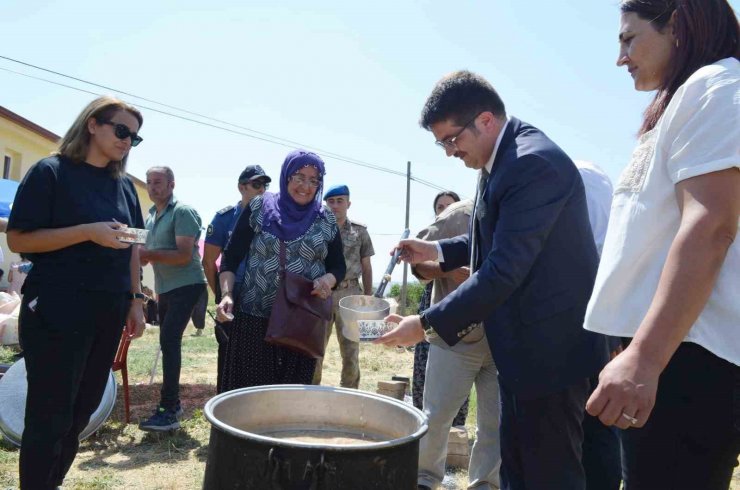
pixel 478 212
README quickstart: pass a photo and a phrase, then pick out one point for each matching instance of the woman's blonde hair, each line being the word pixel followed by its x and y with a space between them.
pixel 76 143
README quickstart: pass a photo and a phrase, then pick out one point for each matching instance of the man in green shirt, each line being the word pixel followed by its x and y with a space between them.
pixel 172 249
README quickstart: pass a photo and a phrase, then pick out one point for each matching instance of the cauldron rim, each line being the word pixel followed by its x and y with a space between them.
pixel 272 441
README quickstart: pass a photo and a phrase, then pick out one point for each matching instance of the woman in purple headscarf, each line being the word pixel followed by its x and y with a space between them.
pixel 313 248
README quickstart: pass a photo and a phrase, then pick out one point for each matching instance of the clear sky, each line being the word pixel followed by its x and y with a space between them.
pixel 347 77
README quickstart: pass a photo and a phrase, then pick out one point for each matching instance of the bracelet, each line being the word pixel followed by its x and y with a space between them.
pixel 138 296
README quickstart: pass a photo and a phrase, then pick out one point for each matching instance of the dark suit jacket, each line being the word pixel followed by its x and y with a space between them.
pixel 535 271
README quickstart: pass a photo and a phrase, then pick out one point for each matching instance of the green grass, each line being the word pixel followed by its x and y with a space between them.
pixel 201 352
pixel 472 420
pixel 6 355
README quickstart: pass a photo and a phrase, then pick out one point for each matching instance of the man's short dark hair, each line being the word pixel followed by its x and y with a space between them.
pixel 459 97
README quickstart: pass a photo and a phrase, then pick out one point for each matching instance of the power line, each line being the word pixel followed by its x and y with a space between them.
pixel 262 135
pixel 203 116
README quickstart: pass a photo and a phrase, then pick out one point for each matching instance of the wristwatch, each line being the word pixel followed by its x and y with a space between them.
pixel 138 296
pixel 428 330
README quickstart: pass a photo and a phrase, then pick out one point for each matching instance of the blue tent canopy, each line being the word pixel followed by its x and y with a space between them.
pixel 8 189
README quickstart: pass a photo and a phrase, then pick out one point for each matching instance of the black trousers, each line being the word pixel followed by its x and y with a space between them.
pixel 692 438
pixel 151 312
pixel 542 438
pixel 601 451
pixel 69 340
pixel 199 311
pixel 175 310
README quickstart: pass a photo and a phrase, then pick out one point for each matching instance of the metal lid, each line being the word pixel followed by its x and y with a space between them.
pixel 13 390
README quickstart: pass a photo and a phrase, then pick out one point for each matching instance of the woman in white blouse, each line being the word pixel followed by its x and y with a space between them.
pixel 669 278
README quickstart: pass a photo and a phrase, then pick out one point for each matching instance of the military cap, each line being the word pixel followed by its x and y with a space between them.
pixel 336 190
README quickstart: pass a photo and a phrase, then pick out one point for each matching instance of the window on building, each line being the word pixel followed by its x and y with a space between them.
pixel 6 166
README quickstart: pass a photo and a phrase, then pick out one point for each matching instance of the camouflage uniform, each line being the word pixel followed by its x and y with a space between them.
pixel 357 245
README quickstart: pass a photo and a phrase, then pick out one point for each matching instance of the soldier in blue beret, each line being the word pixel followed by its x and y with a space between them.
pixel 358 248
pixel 253 181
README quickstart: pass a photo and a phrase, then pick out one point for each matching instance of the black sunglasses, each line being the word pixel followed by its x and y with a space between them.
pixel 256 184
pixel 122 132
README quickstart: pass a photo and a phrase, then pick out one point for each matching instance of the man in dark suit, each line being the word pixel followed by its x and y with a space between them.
pixel 534 260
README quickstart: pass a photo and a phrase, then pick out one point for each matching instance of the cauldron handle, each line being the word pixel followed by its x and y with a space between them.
pixel 272 469
pixel 316 473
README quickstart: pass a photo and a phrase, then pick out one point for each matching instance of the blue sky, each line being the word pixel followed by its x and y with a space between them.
pixel 342 76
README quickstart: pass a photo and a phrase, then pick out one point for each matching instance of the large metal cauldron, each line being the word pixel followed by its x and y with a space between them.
pixel 244 452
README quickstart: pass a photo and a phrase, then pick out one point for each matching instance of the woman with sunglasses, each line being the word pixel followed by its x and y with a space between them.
pixel 669 278
pixel 313 248
pixel 69 216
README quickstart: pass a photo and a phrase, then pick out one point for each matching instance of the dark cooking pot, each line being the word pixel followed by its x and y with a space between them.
pixel 248 448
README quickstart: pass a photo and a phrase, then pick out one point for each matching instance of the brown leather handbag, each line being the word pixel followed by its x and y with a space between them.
pixel 298 320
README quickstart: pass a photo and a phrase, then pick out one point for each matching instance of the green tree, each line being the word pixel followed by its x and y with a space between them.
pixel 414 292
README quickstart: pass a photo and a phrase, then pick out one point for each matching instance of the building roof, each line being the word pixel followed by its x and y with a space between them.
pixel 31 126
pixel 136 180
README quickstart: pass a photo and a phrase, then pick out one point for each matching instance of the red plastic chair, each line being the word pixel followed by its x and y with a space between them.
pixel 119 364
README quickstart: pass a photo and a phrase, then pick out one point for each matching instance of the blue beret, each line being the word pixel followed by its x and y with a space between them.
pixel 337 190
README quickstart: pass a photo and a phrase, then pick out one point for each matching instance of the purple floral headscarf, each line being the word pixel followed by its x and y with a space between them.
pixel 282 216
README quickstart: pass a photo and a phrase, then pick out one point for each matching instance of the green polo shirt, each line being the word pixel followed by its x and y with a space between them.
pixel 176 219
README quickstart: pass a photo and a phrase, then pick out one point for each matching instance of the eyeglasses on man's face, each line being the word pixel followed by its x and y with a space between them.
pixel 450 144
pixel 122 132
pixel 303 180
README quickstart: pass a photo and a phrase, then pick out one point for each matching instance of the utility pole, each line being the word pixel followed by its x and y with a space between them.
pixel 406 265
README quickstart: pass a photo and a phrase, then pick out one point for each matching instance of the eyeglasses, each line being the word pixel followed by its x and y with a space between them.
pixel 302 180
pixel 122 132
pixel 451 143
pixel 256 184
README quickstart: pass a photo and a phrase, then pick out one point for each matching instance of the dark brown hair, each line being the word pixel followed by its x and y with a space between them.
pixel 706 31
pixel 451 194
pixel 76 143
pixel 459 97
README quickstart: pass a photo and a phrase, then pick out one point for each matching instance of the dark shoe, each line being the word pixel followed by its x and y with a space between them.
pixel 178 410
pixel 163 420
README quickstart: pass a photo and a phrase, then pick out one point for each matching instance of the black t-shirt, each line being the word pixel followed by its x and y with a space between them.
pixel 58 193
